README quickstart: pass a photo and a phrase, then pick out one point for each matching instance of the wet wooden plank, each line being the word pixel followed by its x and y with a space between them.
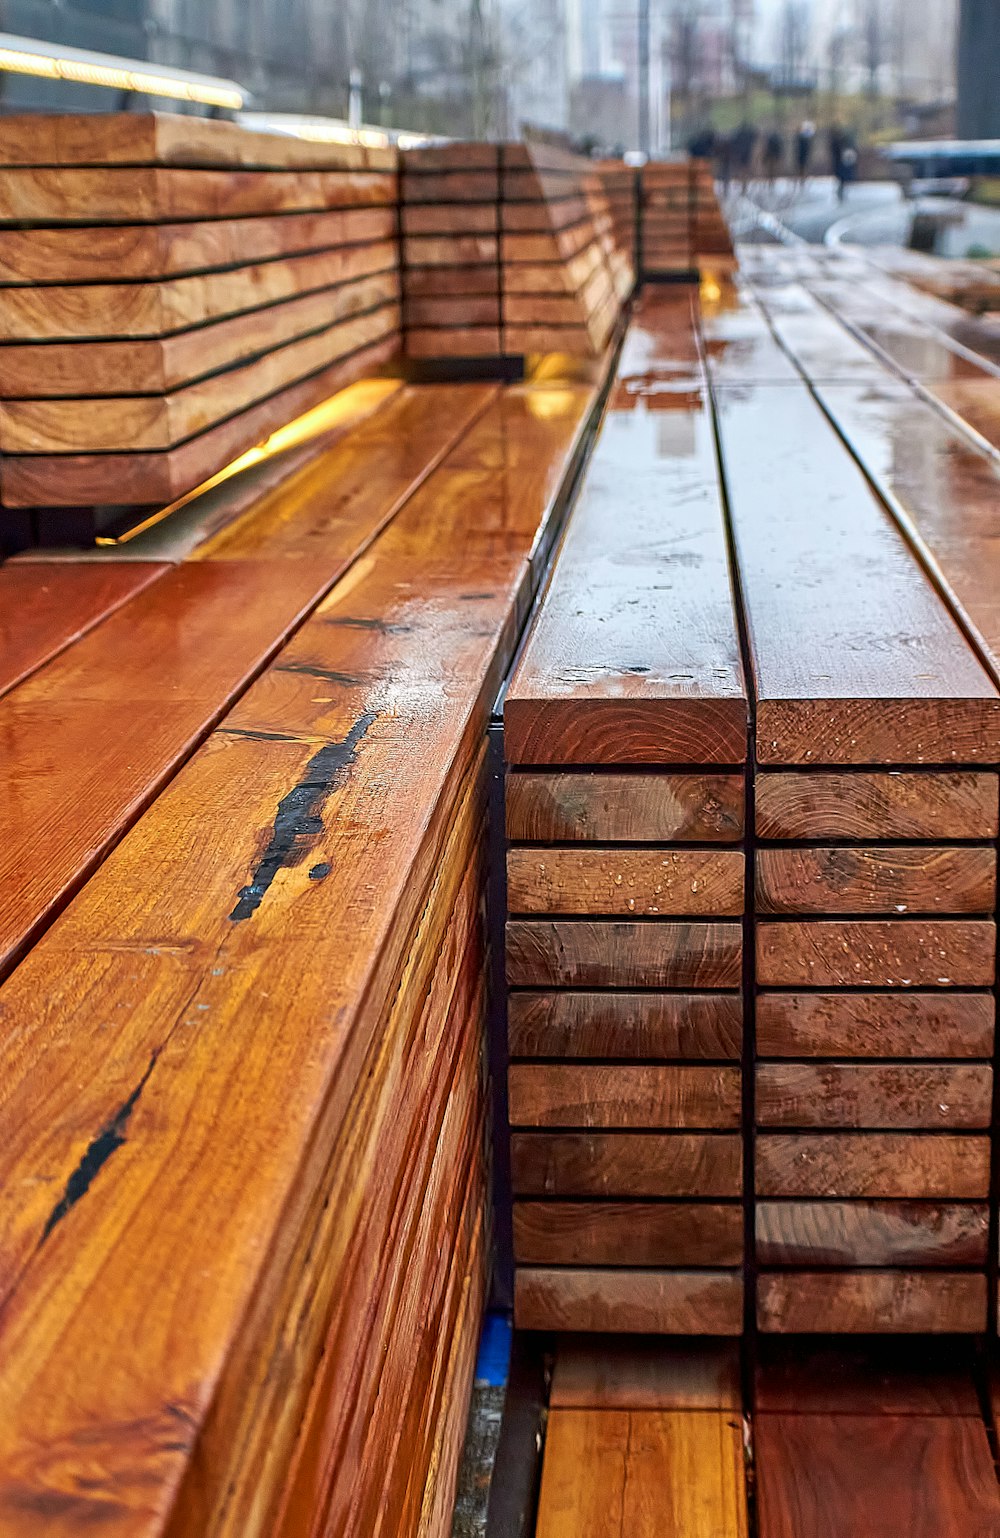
pixel 881 1475
pixel 645 1374
pixel 656 954
pixel 162 364
pixel 944 1024
pixel 881 953
pixel 245 1107
pixel 133 252
pixel 132 698
pixel 938 1167
pixel 659 1302
pixel 634 657
pixel 609 1164
pixel 859 1233
pixel 864 1302
pixel 170 138
pixel 569 1023
pixel 679 882
pixel 922 805
pixel 859 662
pixel 867 1095
pixel 929 878
pixel 642 1474
pixel 877 1378
pixel 144 424
pixel 84 480
pixel 646 1096
pixel 633 808
pixel 154 194
pixel 46 605
pixel 633 1233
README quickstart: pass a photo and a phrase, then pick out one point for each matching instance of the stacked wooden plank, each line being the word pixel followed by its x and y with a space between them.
pixel 172 289
pixel 244 1255
pixel 711 239
pixel 666 237
pixel 450 234
pixel 877 736
pixel 562 281
pixel 620 184
pixel 625 729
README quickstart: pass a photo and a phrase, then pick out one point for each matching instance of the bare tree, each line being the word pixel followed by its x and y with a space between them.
pixel 874 29
pixel 793 40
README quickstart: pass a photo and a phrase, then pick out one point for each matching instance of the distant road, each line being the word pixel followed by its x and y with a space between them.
pixel 872 213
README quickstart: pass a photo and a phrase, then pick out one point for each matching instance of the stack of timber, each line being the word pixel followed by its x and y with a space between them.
pixel 508 249
pixel 171 290
pixel 241 1086
pixel 625 734
pixel 450 234
pixel 711 238
pixel 667 218
pixel 875 813
pixel 620 184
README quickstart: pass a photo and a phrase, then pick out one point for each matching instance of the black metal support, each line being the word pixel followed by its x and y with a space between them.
pixel 517 1471
pixel 502 1283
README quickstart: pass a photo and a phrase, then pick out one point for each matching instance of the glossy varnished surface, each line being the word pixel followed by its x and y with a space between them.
pixel 213 938
pixel 634 657
pixel 856 659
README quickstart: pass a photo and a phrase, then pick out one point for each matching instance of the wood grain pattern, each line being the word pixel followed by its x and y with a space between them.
pixel 628 1233
pixel 642 1474
pixel 632 808
pixel 873 1164
pixel 629 1373
pixel 82 480
pixel 170 138
pixel 143 424
pixel 158 365
pixel 874 1095
pixel 46 606
pixel 876 879
pixel 871 1302
pixel 845 639
pixel 625 1025
pixel 572 1095
pixel 679 882
pixel 153 194
pixel 889 953
pixel 659 1302
pixel 634 657
pixel 199 906
pixel 133 697
pixel 881 1475
pixel 922 805
pixel 587 954
pixel 945 1024
pixel 639 1164
pixel 804 1234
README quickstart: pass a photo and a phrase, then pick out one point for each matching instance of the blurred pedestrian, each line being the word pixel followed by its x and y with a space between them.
pixel 774 155
pixel 744 144
pixel 837 140
pixel 847 165
pixel 724 159
pixel 804 147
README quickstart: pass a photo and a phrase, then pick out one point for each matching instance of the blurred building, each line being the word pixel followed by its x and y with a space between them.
pixel 979 70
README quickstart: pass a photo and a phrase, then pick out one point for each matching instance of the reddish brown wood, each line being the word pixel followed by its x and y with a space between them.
pixel 871 1303
pixel 873 1164
pixel 47 605
pixel 625 1025
pixel 876 879
pixel 903 953
pixel 874 1095
pixel 633 808
pixel 664 1302
pixel 608 1164
pixel 610 881
pixel 804 1234
pixel 588 954
pixel 946 1024
pixel 627 1233
pixel 877 1378
pixel 570 1095
pixel 881 1475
